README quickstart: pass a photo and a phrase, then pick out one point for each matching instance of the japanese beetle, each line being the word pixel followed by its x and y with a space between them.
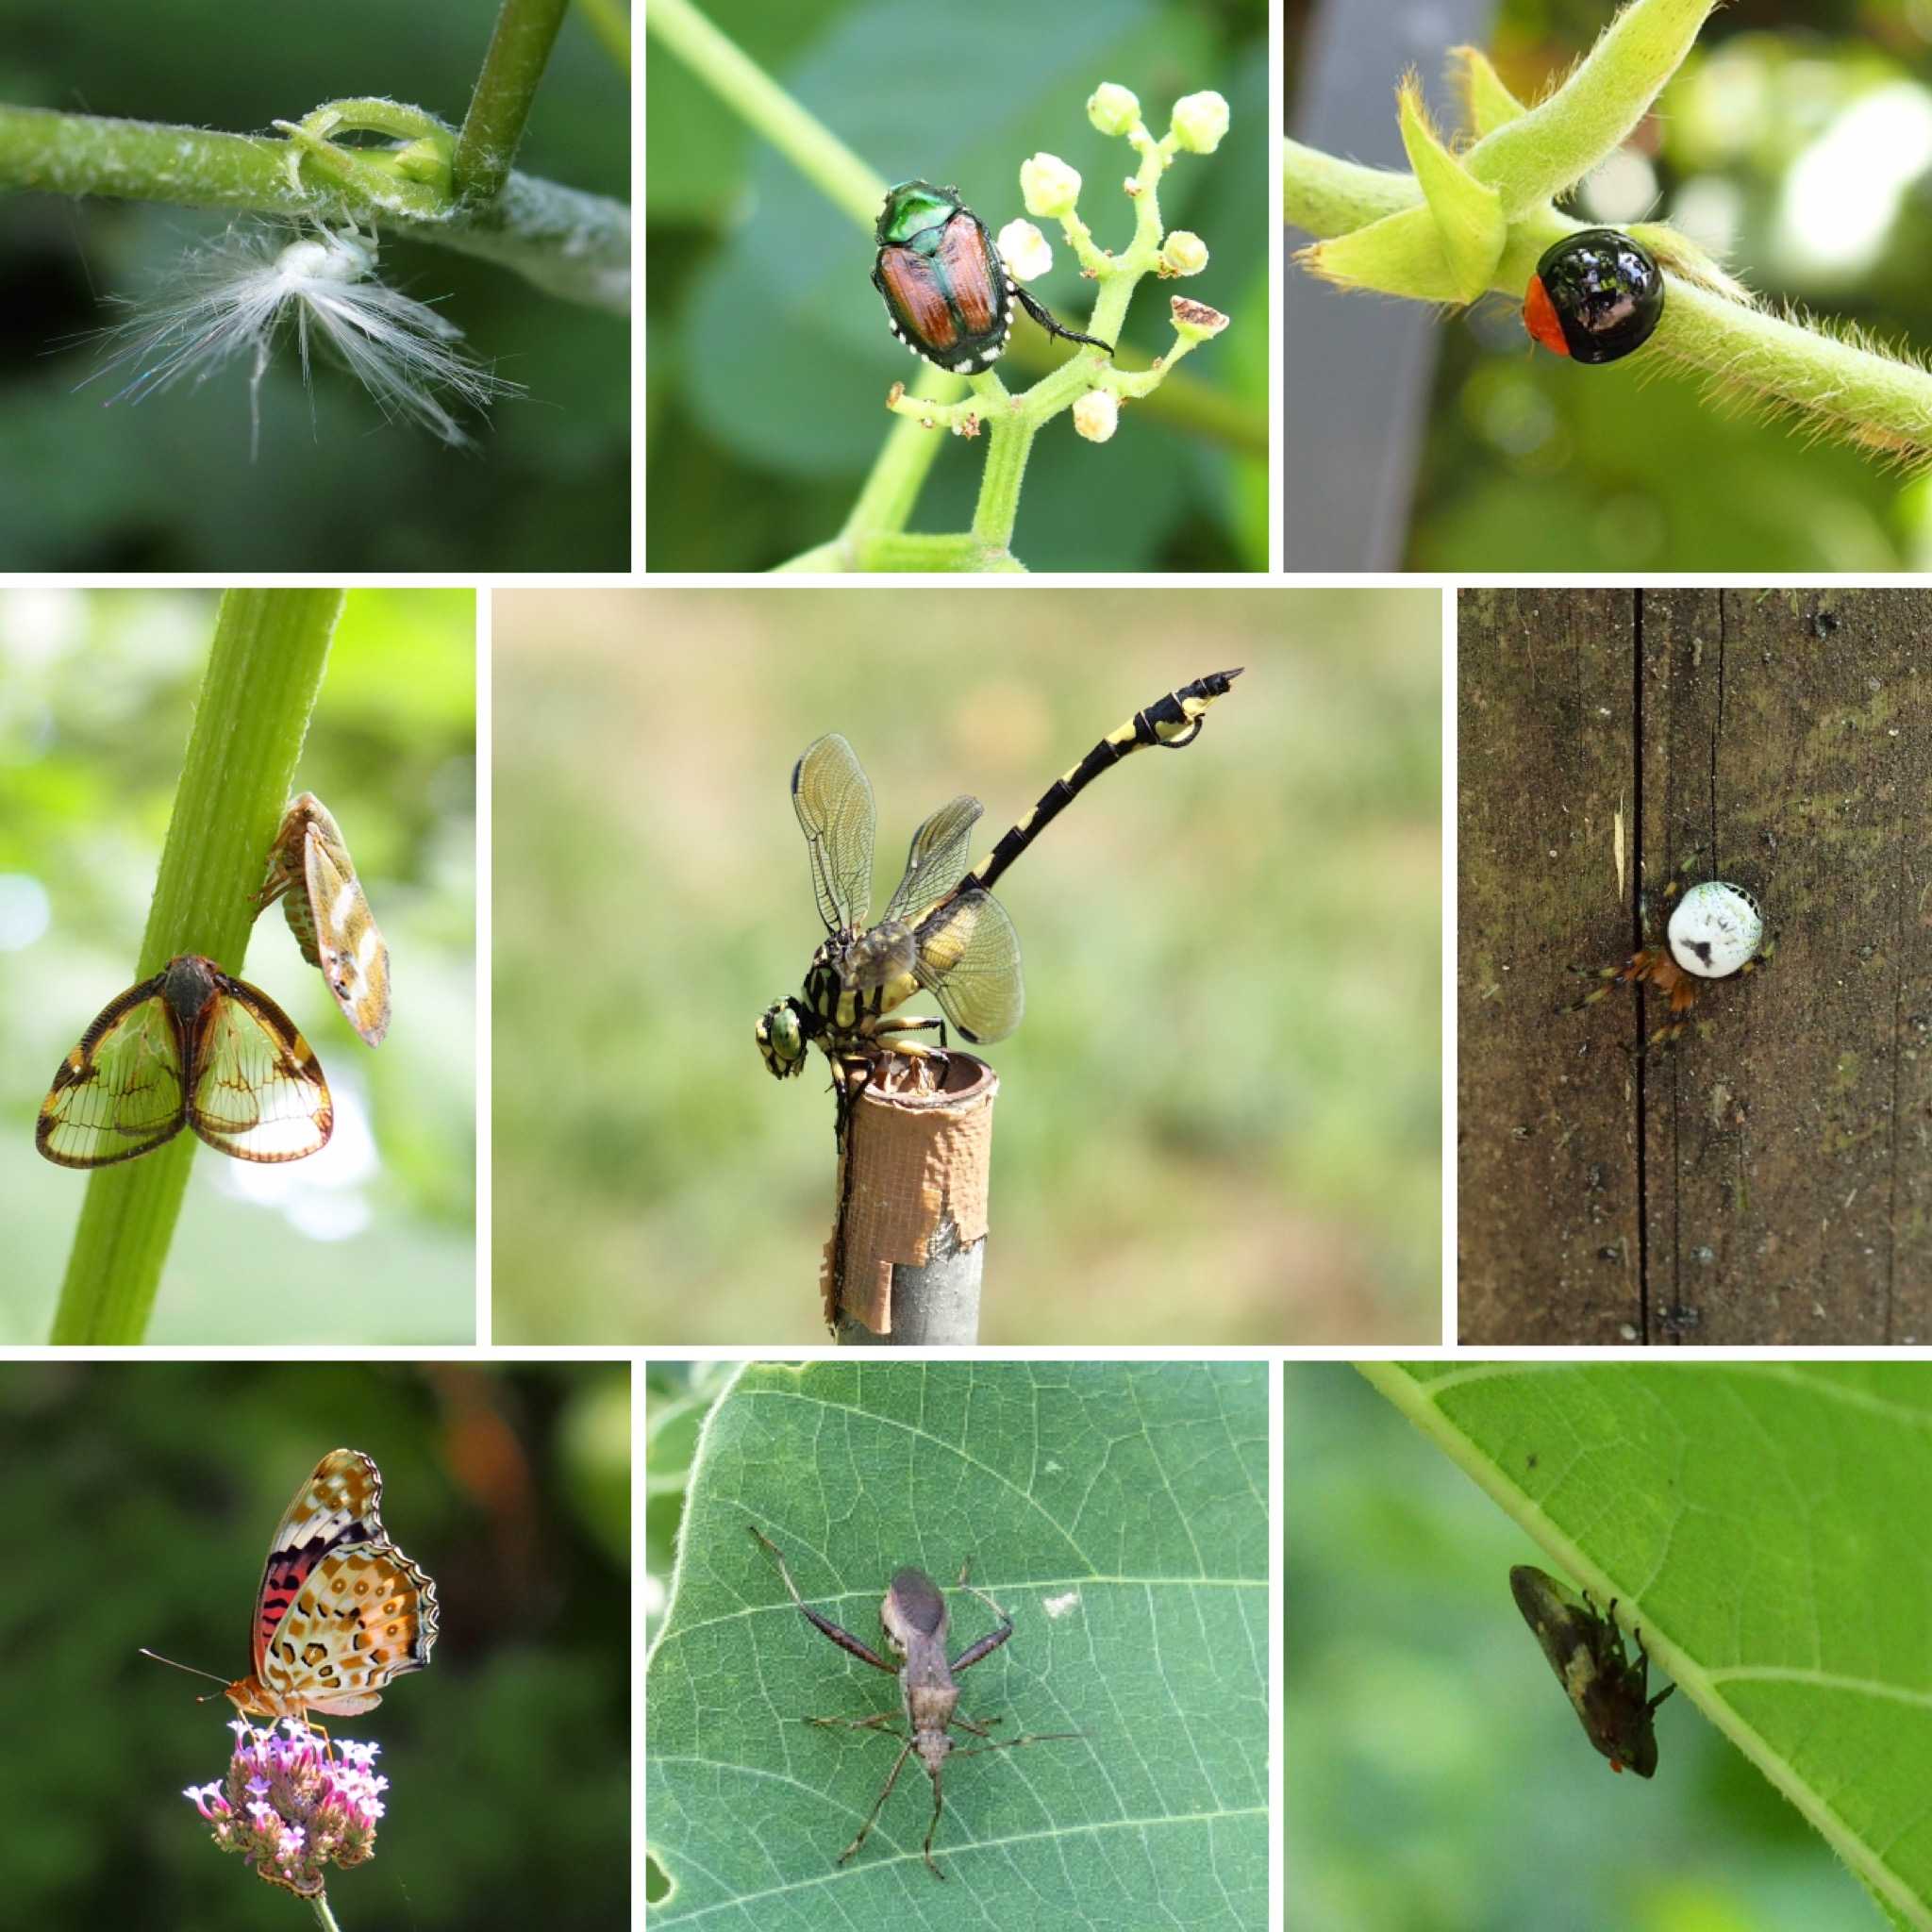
pixel 947 293
pixel 1594 297
pixel 1586 1650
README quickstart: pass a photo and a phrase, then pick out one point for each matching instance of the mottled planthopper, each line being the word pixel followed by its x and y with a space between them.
pixel 311 872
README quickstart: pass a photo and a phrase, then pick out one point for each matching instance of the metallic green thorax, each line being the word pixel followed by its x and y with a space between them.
pixel 916 210
pixel 943 930
pixel 1584 1648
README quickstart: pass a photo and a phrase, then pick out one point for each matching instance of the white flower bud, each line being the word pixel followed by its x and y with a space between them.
pixel 1112 109
pixel 1049 187
pixel 1183 254
pixel 1199 121
pixel 1097 415
pixel 1025 250
pixel 1194 322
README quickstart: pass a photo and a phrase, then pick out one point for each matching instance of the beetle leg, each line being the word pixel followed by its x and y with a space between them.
pixel 1041 315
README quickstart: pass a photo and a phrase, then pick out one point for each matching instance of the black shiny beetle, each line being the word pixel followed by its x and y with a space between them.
pixel 947 293
pixel 1594 297
pixel 1586 1650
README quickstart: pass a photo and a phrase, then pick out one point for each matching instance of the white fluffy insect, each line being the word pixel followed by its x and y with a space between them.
pixel 235 294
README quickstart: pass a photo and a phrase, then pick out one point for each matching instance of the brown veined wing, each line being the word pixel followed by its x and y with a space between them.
pixel 258 1092
pixel 936 861
pixel 968 961
pixel 833 799
pixel 119 1092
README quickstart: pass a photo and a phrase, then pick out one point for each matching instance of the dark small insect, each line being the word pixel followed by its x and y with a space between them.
pixel 1594 297
pixel 914 1618
pixel 1586 1650
pixel 947 293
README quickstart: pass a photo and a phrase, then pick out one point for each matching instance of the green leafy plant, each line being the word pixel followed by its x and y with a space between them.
pixel 1757 1523
pixel 1117 1512
pixel 1089 385
pixel 1477 217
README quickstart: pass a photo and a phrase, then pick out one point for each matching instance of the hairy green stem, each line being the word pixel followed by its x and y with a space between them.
pixel 1872 399
pixel 505 91
pixel 264 669
pixel 570 245
pixel 325 1917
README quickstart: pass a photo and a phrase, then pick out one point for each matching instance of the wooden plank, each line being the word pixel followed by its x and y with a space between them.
pixel 1547 1154
pixel 1784 1147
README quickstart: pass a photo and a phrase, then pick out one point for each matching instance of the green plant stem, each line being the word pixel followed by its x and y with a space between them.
pixel 1870 398
pixel 325 1917
pixel 612 25
pixel 505 93
pixel 264 669
pixel 757 99
pixel 570 245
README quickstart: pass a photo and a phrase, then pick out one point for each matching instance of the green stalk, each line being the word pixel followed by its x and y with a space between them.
pixel 566 242
pixel 505 91
pixel 1876 401
pixel 324 1916
pixel 264 669
pixel 761 104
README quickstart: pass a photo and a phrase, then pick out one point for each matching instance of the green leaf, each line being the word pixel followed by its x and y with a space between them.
pixel 1762 1525
pixel 1545 151
pixel 1469 217
pixel 1487 102
pixel 1117 1512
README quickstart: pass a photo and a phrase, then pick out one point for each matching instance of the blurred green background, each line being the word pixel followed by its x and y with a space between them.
pixel 155 1489
pixel 768 349
pixel 1438 1780
pixel 1797 142
pixel 371 1240
pixel 167 485
pixel 1220 1121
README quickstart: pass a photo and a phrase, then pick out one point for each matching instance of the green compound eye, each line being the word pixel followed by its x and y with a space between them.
pixel 781 1040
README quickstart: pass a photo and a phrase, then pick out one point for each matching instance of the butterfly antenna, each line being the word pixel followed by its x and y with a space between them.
pixel 189 1669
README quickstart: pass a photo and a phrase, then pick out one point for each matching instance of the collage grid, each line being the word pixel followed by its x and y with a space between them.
pixel 468 1145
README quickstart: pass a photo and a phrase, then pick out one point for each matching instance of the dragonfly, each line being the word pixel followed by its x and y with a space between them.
pixel 943 932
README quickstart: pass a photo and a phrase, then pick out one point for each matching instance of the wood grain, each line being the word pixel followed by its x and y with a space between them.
pixel 1768 1179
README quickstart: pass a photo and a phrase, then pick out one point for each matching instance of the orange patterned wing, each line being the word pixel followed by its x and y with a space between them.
pixel 342 1611
pixel 310 871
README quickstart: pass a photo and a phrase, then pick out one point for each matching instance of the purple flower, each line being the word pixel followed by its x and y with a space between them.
pixel 291 1808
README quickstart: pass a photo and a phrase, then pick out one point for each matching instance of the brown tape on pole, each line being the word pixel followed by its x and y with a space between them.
pixel 903 1264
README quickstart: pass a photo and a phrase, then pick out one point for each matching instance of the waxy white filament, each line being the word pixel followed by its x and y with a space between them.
pixel 237 293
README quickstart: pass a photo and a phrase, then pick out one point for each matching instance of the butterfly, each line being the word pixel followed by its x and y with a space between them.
pixel 311 872
pixel 190 1047
pixel 340 1611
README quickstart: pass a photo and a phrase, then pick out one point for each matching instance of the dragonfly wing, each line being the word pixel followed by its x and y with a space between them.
pixel 833 799
pixel 968 961
pixel 937 861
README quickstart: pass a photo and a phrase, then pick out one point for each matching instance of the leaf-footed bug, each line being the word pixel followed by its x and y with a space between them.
pixel 914 1618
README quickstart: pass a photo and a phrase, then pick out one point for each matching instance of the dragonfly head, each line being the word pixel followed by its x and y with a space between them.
pixel 783 1036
